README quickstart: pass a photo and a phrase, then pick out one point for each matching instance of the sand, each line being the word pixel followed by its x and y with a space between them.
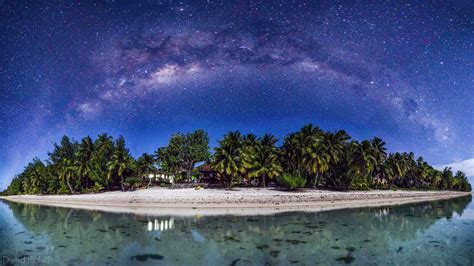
pixel 240 201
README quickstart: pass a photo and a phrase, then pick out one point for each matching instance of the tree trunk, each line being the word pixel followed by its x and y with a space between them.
pixel 188 174
pixel 263 180
pixel 229 186
pixel 69 185
pixel 316 180
pixel 189 170
pixel 121 183
pixel 149 181
pixel 391 183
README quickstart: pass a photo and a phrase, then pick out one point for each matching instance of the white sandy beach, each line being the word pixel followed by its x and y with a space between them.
pixel 240 201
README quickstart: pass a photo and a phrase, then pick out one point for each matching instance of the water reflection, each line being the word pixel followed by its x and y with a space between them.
pixel 396 234
pixel 162 225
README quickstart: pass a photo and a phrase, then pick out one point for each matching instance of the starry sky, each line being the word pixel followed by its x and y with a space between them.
pixel 401 71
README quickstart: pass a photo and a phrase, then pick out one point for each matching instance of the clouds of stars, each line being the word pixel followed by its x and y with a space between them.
pixel 401 71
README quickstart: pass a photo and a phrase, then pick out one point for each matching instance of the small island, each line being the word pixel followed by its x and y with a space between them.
pixel 310 169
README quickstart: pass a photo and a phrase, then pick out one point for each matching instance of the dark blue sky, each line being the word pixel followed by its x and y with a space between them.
pixel 401 71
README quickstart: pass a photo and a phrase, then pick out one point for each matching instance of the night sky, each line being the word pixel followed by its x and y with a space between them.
pixel 404 72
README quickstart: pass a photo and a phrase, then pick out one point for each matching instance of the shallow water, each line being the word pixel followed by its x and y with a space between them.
pixel 433 233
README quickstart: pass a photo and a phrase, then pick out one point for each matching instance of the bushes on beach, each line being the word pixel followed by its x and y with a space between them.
pixel 291 181
pixel 309 157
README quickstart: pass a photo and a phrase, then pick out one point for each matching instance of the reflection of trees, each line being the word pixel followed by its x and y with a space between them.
pixel 342 228
pixel 218 239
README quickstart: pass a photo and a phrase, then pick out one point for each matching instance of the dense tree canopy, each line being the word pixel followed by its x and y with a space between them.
pixel 309 157
pixel 326 159
pixel 183 152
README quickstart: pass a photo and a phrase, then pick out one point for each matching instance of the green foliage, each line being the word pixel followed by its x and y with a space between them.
pixel 163 184
pixel 77 167
pixel 121 165
pixel 227 160
pixel 308 157
pixel 183 152
pixel 361 183
pixel 260 159
pixel 131 183
pixel 145 166
pixel 329 160
pixel 97 187
pixel 291 181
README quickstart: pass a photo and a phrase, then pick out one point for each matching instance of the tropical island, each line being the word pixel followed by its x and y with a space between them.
pixel 310 165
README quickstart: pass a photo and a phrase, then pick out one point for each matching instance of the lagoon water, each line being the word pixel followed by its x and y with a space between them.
pixel 432 233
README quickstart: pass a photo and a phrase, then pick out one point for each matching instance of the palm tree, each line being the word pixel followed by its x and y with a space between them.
pixel 397 167
pixel 227 159
pixel 25 185
pixel 84 156
pixel 250 139
pixel 269 141
pixel 121 162
pixel 363 159
pixel 249 142
pixel 104 141
pixel 52 181
pixel 297 148
pixel 145 165
pixel 310 133
pixel 103 150
pixel 37 176
pixel 383 173
pixel 291 154
pixel 68 172
pixel 316 160
pixel 341 172
pixel 335 143
pixel 261 162
pixel 379 149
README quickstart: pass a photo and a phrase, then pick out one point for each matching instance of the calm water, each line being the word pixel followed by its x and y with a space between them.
pixel 435 233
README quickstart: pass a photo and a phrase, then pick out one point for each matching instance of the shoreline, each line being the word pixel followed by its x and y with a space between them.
pixel 158 201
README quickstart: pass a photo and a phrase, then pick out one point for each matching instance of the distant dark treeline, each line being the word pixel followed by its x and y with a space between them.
pixel 309 157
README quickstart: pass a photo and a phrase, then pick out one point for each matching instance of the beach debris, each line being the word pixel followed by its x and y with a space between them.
pixel 234 262
pixel 145 257
pixel 295 241
pixel 231 238
pixel 274 253
pixel 346 259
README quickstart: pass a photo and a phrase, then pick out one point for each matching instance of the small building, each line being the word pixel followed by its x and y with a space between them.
pixel 161 176
pixel 207 174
